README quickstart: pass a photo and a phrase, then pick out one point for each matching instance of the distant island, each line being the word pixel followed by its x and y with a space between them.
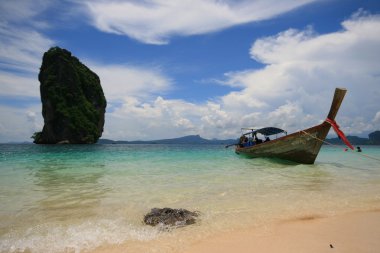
pixel 373 139
pixel 190 139
pixel 73 102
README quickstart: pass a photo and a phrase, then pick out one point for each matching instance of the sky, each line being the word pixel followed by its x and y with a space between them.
pixel 171 68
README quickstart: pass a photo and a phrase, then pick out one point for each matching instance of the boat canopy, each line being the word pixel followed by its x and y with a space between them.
pixel 267 131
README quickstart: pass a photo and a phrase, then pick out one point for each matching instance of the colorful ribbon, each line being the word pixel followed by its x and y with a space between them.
pixel 339 132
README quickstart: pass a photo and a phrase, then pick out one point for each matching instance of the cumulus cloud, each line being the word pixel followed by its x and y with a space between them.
pixel 377 117
pixel 13 84
pixel 21 44
pixel 376 120
pixel 155 21
pixel 292 91
pixel 21 49
pixel 166 118
pixel 304 67
pixel 22 10
pixel 122 81
pixel 19 124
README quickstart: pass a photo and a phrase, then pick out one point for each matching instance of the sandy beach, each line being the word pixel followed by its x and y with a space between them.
pixel 355 232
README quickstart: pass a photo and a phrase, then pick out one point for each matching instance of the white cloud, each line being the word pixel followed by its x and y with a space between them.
pixel 155 21
pixel 303 67
pixel 21 44
pixel 123 81
pixel 377 117
pixel 376 121
pixel 145 120
pixel 20 11
pixel 22 48
pixel 162 118
pixel 19 124
pixel 13 84
pixel 293 91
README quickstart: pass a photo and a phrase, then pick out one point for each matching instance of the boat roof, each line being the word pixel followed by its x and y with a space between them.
pixel 267 131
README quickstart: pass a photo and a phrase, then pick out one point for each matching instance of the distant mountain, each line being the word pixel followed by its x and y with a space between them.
pixel 374 139
pixel 354 140
pixel 190 139
pixel 108 141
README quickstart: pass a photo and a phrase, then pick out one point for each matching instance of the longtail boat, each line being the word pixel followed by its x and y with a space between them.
pixel 301 147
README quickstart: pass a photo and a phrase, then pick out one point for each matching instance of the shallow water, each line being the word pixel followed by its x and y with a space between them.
pixel 74 198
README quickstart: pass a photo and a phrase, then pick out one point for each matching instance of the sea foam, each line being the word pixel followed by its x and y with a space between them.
pixel 51 238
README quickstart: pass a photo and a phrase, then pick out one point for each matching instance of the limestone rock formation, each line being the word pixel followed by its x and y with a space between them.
pixel 73 102
pixel 170 217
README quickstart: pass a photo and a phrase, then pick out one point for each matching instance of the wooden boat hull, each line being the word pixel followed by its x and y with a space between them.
pixel 300 147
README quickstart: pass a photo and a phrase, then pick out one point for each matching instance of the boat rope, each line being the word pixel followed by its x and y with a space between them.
pixel 329 143
pixel 338 146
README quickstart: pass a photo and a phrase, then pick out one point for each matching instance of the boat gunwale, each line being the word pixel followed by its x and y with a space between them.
pixel 260 145
pixel 299 152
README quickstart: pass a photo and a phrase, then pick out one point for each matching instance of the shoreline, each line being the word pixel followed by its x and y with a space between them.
pixel 348 233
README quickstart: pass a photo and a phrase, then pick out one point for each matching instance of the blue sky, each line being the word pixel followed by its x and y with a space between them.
pixel 174 68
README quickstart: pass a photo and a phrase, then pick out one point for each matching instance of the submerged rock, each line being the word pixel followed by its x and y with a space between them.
pixel 170 217
pixel 73 102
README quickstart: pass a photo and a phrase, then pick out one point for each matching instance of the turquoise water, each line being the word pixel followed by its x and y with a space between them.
pixel 74 198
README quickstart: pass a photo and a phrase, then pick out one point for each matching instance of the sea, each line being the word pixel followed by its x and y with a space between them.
pixel 77 198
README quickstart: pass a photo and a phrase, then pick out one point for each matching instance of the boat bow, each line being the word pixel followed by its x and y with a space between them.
pixel 302 146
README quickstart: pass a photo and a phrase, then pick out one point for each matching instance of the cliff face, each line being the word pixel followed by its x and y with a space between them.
pixel 73 102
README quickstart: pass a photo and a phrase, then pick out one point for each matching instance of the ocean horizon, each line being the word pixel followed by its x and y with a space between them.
pixel 76 198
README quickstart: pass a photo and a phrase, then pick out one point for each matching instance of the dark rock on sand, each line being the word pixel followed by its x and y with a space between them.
pixel 170 217
pixel 73 102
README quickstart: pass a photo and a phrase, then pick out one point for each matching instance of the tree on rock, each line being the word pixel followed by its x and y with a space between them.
pixel 73 102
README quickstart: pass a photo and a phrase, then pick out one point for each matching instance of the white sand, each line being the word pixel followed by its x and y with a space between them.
pixel 350 233
pixel 356 233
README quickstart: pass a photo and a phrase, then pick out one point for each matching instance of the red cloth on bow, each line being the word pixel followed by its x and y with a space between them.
pixel 339 132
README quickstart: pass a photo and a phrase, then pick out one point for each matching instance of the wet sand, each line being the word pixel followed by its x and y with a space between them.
pixel 355 232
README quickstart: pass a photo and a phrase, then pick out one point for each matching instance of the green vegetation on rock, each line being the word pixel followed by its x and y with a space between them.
pixel 73 102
